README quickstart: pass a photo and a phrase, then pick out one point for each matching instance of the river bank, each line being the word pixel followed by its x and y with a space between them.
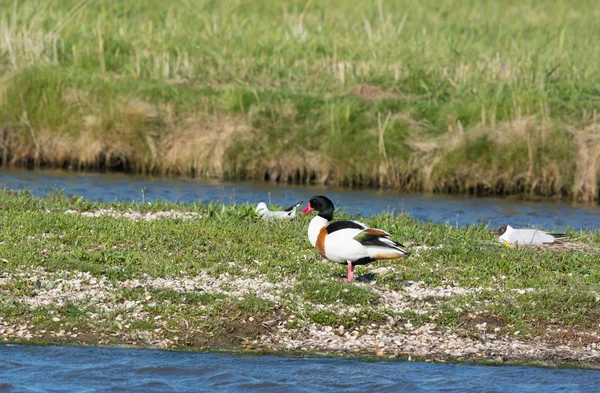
pixel 406 95
pixel 199 277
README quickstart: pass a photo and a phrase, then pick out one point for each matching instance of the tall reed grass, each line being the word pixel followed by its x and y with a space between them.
pixel 475 96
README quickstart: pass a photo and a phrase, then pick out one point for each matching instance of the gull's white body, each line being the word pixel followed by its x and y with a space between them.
pixel 528 236
pixel 263 212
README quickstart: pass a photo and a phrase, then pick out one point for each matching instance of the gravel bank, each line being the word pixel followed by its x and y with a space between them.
pixel 103 304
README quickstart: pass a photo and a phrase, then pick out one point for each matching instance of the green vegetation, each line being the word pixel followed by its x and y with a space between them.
pixel 229 279
pixel 471 96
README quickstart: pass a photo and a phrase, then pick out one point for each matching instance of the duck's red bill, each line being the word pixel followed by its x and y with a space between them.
pixel 308 209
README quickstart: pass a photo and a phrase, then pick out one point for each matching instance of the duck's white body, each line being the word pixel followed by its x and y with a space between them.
pixel 263 211
pixel 314 228
pixel 529 236
pixel 348 242
pixel 341 245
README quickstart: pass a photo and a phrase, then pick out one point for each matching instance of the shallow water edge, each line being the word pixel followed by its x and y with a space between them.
pixel 124 369
pixel 454 210
pixel 365 357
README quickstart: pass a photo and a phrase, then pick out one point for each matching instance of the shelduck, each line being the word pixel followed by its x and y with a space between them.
pixel 265 213
pixel 527 236
pixel 348 242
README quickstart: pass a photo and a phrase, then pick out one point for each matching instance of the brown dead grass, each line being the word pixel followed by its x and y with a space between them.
pixel 587 175
pixel 428 153
pixel 510 157
pixel 299 166
pixel 197 145
pixel 527 155
pixel 130 138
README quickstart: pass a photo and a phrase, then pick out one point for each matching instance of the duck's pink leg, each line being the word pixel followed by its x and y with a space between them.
pixel 350 272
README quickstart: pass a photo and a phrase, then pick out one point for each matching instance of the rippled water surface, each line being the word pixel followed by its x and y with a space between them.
pixel 441 209
pixel 88 369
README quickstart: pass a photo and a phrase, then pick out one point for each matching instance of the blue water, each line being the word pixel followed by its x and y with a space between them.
pixel 89 369
pixel 440 209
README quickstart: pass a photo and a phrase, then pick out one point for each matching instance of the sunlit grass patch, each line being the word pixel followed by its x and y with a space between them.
pixel 550 306
pixel 323 292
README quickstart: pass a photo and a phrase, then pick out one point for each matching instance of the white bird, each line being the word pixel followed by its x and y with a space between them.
pixel 348 242
pixel 263 212
pixel 527 236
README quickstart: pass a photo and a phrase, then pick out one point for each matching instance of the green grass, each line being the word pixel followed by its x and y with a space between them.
pixel 472 96
pixel 335 293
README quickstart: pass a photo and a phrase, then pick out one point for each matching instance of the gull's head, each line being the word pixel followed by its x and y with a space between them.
pixel 261 207
pixel 501 230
